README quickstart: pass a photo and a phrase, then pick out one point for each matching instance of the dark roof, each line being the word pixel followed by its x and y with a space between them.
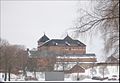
pixel 112 59
pixel 67 41
pixel 34 53
pixel 43 38
pixel 47 53
pixel 41 53
pixel 80 55
pixel 67 38
pixel 76 69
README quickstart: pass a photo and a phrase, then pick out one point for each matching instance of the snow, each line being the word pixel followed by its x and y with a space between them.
pixel 90 80
pixel 13 77
pixel 75 57
pixel 86 77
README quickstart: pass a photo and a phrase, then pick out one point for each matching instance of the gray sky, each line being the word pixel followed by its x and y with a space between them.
pixel 24 22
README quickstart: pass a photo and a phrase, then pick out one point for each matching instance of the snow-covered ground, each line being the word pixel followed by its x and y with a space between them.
pixel 84 77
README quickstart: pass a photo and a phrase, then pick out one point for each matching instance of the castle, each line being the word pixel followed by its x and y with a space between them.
pixel 66 45
pixel 52 51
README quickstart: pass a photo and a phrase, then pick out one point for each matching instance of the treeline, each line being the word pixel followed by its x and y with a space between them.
pixel 15 58
pixel 12 59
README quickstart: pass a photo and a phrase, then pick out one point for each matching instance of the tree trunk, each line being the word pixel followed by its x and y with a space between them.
pixel 78 76
pixel 5 68
pixel 9 71
pixel 5 76
pixel 24 71
pixel 34 73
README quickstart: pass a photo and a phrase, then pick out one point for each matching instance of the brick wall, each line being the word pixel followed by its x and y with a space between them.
pixel 65 49
pixel 79 60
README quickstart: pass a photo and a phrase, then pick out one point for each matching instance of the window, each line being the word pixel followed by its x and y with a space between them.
pixel 69 48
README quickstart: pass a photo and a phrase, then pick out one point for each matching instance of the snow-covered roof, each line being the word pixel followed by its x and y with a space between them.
pixel 78 56
pixel 67 41
pixel 43 38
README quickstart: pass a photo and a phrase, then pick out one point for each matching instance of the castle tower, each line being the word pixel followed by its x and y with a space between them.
pixel 42 40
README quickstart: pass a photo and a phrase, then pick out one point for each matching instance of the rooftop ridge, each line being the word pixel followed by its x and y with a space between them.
pixel 43 38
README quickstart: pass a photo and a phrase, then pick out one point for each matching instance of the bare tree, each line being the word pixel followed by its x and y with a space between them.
pixel 104 19
pixel 103 70
pixel 6 52
pixel 12 58
pixel 3 56
pixel 21 58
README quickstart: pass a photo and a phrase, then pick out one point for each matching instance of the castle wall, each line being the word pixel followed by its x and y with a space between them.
pixel 65 49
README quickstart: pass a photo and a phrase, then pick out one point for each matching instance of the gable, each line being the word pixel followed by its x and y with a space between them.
pixel 58 42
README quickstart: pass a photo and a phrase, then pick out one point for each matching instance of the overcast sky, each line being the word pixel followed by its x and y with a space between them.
pixel 24 22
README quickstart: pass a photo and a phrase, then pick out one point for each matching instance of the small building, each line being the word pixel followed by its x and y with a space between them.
pixel 76 69
pixel 112 59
